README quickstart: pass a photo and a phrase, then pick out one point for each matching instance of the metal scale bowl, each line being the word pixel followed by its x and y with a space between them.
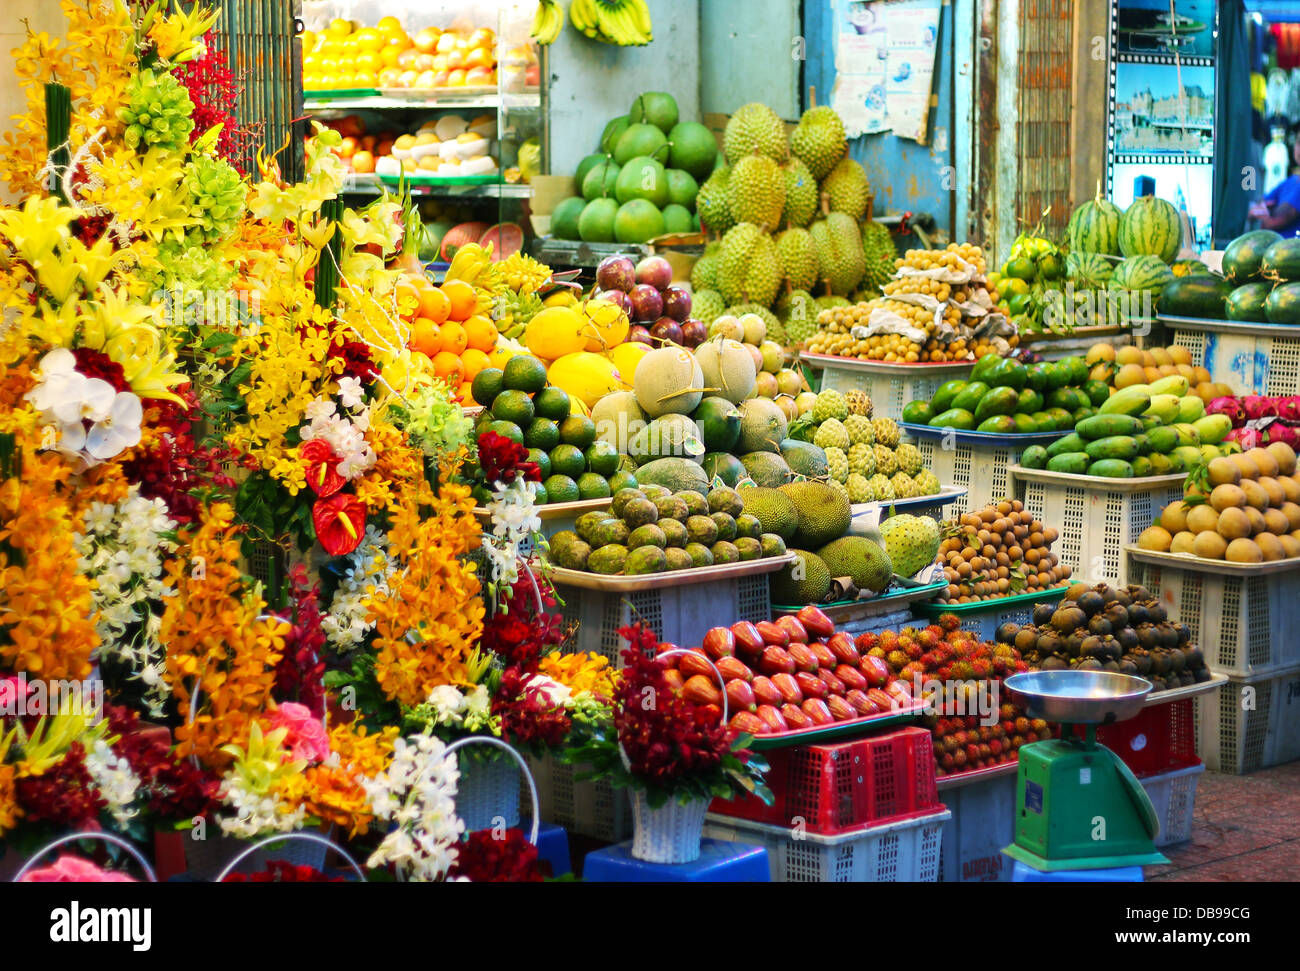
pixel 1078 806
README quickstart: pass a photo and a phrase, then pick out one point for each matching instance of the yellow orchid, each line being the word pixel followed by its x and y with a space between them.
pixel 60 274
pixel 317 234
pixel 53 736
pixel 179 36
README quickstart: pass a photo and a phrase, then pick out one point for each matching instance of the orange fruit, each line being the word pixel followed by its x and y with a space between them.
pixel 389 55
pixel 434 304
pixel 473 361
pixel 426 336
pixel 449 367
pixel 363 162
pixel 464 300
pixel 454 337
pixel 408 298
pixel 481 332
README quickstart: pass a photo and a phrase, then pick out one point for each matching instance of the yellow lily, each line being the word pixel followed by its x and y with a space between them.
pixel 263 762
pixel 37 228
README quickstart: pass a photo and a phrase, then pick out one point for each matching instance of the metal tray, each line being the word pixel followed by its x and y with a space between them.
pixel 902 590
pixel 955 780
pixel 672 578
pixel 557 510
pixel 885 367
pixel 1095 483
pixel 1191 691
pixel 827 733
pixel 1186 561
pixel 988 439
pixel 1247 328
pixel 945 496
pixel 997 603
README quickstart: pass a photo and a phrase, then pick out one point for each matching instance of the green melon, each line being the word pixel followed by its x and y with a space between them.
pixel 564 220
pixel 1142 273
pixel 1094 228
pixel 1242 258
pixel 1283 304
pixel 1150 227
pixel 1247 301
pixel 1088 270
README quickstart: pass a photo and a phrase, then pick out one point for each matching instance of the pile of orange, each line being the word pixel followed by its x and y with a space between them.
pixel 344 56
pixel 446 327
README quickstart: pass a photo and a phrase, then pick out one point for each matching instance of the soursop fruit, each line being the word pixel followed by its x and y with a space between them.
pixel 860 429
pixel 859 487
pixel 819 140
pixel 886 464
pixel 755 129
pixel 902 483
pixel 847 188
pixel 862 459
pixel 927 483
pixel 756 191
pixel 882 487
pixel 832 434
pixel 886 431
pixel 909 458
pixel 801 193
pixel 830 404
pixel 912 542
pixel 859 402
pixel 837 464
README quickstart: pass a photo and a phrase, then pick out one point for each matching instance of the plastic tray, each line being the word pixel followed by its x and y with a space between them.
pixel 1255 328
pixel 322 95
pixel 1191 691
pixel 1097 482
pixel 885 367
pixel 961 437
pixel 904 591
pixel 829 733
pixel 945 496
pixel 671 578
pixel 1186 561
pixel 462 91
pixel 955 780
pixel 556 510
pixel 996 603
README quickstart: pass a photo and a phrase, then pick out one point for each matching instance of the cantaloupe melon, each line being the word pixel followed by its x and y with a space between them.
pixel 728 368
pixel 585 376
pixel 617 418
pixel 668 380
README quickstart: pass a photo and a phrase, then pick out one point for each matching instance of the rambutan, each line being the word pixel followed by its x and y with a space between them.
pixel 876 652
pixel 950 622
pixel 914 651
pixel 865 642
pixel 896 660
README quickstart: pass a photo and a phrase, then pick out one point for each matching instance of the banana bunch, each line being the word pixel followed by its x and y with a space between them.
pixel 547 21
pixel 622 22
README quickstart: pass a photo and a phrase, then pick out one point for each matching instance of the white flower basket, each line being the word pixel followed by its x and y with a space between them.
pixel 669 834
pixel 488 792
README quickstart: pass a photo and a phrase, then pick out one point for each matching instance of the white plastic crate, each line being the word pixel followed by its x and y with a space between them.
pixel 984 619
pixel 1252 358
pixel 680 614
pixel 1173 796
pixel 588 808
pixel 983 823
pixel 890 387
pixel 979 469
pixel 1250 723
pixel 1245 626
pixel 901 852
pixel 1095 517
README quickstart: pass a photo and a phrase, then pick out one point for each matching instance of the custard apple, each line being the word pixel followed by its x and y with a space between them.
pixel 886 431
pixel 859 488
pixel 927 483
pixel 909 458
pixel 859 403
pixel 830 404
pixel 882 487
pixel 886 464
pixel 837 464
pixel 902 483
pixel 862 459
pixel 832 434
pixel 860 430
pixel 841 488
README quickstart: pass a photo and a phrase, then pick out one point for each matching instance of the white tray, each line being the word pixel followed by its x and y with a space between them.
pixel 672 578
pixel 557 510
pixel 1096 483
pixel 1186 561
pixel 885 367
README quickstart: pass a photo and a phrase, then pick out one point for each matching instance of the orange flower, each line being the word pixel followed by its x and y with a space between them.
pixel 333 792
pixel 10 811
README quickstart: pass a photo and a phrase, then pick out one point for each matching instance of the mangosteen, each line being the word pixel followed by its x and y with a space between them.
pixel 1127 637
pixel 1074 643
pixel 1006 633
pixel 1168 636
pixel 1155 612
pixel 1202 675
pixel 1099 625
pixel 1110 666
pixel 1076 590
pixel 1043 613
pixel 1128 667
pixel 1142 658
pixel 1137 615
pixel 1186 679
pixel 1160 663
pixel 1091 646
pixel 1053 663
pixel 1091 602
pixel 1184 633
pixel 1147 637
pixel 1123 598
pixel 1049 642
pixel 1177 659
pixel 1089 664
pixel 1195 659
pixel 1112 648
pixel 1025 640
pixel 1138 593
pixel 1067 619
pixel 1107 593
pixel 1117 614
pixel 1157 682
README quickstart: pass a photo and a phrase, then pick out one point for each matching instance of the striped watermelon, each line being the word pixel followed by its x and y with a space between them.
pixel 1094 227
pixel 1150 227
pixel 1137 273
pixel 1088 271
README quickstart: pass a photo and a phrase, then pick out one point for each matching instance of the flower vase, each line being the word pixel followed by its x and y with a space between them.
pixel 669 834
pixel 488 792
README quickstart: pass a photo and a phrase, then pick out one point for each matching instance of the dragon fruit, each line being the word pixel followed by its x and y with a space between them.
pixel 1280 431
pixel 1258 406
pixel 1247 438
pixel 1230 406
pixel 1289 408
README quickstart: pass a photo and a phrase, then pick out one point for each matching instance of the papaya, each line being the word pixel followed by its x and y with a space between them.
pixel 1073 463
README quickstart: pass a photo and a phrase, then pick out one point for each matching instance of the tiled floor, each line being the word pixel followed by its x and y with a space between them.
pixel 1246 828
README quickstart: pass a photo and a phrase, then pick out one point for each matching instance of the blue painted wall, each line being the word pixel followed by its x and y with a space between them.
pixel 904 176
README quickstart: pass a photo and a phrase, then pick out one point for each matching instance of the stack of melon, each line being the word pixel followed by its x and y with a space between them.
pixel 1261 283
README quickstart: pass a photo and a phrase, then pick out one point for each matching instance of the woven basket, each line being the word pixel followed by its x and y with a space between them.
pixel 669 834
pixel 206 858
pixel 488 792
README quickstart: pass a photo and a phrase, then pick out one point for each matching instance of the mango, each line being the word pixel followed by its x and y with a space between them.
pixel 1190 408
pixel 1212 429
pixel 1164 407
pixel 1190 455
pixel 1187 434
pixel 1130 401
pixel 1174 384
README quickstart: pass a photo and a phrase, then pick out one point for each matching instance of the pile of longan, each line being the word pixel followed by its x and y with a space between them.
pixel 927 259
pixel 995 542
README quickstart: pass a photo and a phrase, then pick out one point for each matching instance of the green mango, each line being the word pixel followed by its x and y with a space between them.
pixel 969 397
pixel 942 399
pixel 998 401
pixel 958 418
pixel 998 425
pixel 1029 402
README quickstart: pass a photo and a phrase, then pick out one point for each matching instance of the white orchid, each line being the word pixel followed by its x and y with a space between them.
pixel 351 394
pixel 118 430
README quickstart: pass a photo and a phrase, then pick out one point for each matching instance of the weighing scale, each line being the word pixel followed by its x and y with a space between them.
pixel 1078 806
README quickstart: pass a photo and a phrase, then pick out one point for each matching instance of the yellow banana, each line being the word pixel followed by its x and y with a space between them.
pixel 583 15
pixel 610 26
pixel 548 21
pixel 639 35
pixel 641 15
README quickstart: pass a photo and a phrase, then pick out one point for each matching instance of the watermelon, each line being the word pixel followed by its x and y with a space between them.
pixel 1201 296
pixel 1190 268
pixel 459 236
pixel 1247 301
pixel 431 239
pixel 1283 304
pixel 1244 254
pixel 1090 271
pixel 1150 227
pixel 1094 227
pixel 1281 261
pixel 1142 273
pixel 506 239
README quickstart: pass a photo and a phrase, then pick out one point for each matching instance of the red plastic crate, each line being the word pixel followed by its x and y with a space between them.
pixel 1161 739
pixel 833 788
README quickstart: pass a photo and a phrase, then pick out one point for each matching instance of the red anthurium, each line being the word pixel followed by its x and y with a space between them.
pixel 340 523
pixel 322 467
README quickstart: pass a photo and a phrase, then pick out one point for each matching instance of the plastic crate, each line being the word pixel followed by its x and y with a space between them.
pixel 1250 723
pixel 983 618
pixel 983 823
pixel 1245 626
pixel 1173 796
pixel 1096 520
pixel 979 469
pixel 902 852
pixel 1162 738
pixel 1245 356
pixel 591 808
pixel 828 789
pixel 680 614
pixel 890 387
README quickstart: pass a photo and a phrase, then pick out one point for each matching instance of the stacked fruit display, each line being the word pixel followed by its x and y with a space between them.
pixel 864 455
pixel 519 405
pixel 660 312
pixel 1028 281
pixel 998 551
pixel 937 307
pixel 1005 397
pixel 793 673
pixel 651 529
pixel 1260 283
pixel 447 147
pixel 1097 628
pixel 774 379
pixel 1260 419
pixel 1241 508
pixel 643 181
pixel 1143 430
pixel 1122 367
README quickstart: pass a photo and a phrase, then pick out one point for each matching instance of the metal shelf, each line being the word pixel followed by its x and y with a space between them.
pixel 367 186
pixel 423 103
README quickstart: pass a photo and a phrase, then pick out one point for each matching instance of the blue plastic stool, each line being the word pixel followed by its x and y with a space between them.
pixel 1021 873
pixel 719 862
pixel 553 847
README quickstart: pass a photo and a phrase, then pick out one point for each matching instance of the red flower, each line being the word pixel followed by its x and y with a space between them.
pixel 97 364
pixel 526 713
pixel 214 90
pixel 500 459
pixel 357 361
pixel 281 871
pixel 322 467
pixel 340 523
pixel 483 858
pixel 174 789
pixel 64 794
pixel 300 674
